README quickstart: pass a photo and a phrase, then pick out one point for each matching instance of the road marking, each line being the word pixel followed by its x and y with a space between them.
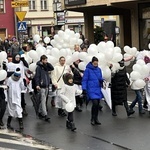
pixel 18 139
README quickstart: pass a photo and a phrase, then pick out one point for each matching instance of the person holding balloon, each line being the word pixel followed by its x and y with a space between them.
pixel 67 94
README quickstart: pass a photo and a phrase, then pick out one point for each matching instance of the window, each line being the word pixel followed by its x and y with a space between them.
pixel 1 6
pixel 43 4
pixel 31 4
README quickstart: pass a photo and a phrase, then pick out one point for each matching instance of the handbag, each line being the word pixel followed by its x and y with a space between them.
pixel 53 88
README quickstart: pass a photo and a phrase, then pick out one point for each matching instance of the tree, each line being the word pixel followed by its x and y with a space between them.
pixel 99 34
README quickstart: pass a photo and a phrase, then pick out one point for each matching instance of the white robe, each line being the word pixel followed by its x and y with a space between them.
pixel 14 97
pixel 67 93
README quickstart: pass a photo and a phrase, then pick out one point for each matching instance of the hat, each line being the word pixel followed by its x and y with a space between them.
pixel 66 78
pixel 17 73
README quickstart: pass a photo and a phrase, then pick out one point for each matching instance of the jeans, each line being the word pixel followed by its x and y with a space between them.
pixel 70 116
pixel 42 107
pixel 137 99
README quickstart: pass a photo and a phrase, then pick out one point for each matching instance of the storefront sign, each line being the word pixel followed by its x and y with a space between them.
pixel 74 2
pixel 60 18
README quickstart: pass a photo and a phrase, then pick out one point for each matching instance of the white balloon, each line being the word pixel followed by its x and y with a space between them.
pixel 72 34
pixel 102 46
pixel 77 35
pixel 69 107
pixel 33 54
pixel 140 62
pixel 106 73
pixel 67 31
pixel 3 75
pixel 137 67
pixel 109 54
pixel 69 52
pixel 117 57
pixel 140 83
pixel 32 67
pixel 52 59
pixel 109 44
pixel 55 53
pixel 82 55
pixel 149 45
pixel 80 41
pixel 82 65
pixel 53 42
pixel 69 60
pixel 61 33
pixel 63 52
pixel 133 51
pixel 48 52
pixel 88 58
pixel 117 49
pixel 66 38
pixel 135 75
pixel 73 41
pixel 40 51
pixel 3 56
pixel 56 38
pixel 49 47
pixel 126 49
pixel 75 56
pixel 92 51
pixel 47 40
pixel 145 71
pixel 36 38
pixel 115 67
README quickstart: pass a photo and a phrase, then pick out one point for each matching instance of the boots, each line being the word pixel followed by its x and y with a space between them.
pixel 70 125
pixel 1 122
pixel 97 122
pixel 24 113
pixel 8 122
pixel 20 123
pixel 61 112
pixel 73 128
pixel 130 112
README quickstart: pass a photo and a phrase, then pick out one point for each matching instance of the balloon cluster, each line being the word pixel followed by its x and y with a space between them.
pixel 141 70
pixel 63 45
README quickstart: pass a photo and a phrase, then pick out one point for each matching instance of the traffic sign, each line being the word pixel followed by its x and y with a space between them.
pixel 22 26
pixel 21 14
pixel 19 4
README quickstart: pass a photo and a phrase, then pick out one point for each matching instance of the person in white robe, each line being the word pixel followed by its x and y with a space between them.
pixel 15 86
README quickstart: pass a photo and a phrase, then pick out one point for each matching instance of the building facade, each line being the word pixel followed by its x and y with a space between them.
pixel 133 18
pixel 7 19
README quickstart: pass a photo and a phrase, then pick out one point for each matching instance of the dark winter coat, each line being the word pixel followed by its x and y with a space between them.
pixel 42 78
pixel 119 82
pixel 2 98
pixel 91 82
pixel 77 79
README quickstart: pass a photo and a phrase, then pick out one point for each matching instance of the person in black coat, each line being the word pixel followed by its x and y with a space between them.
pixel 119 84
pixel 78 74
pixel 2 103
pixel 42 82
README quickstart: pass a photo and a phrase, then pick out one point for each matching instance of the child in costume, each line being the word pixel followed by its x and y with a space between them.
pixel 15 85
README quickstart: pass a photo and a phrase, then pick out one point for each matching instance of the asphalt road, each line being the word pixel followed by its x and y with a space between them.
pixel 115 133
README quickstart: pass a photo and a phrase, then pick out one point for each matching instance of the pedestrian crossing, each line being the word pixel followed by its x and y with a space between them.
pixel 10 140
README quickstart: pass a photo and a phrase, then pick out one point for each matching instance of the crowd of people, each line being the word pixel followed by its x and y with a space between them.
pixel 69 85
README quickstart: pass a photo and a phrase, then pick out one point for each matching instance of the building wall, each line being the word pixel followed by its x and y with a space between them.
pixel 7 19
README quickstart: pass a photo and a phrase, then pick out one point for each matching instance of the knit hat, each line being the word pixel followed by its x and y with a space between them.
pixel 17 73
pixel 66 78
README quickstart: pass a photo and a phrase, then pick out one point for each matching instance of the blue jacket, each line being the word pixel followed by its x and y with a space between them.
pixel 91 82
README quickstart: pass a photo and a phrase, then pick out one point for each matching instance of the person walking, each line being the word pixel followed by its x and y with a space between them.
pixel 119 84
pixel 15 85
pixel 91 85
pixel 77 79
pixel 42 82
pixel 2 103
pixel 67 94
pixel 57 80
pixel 19 62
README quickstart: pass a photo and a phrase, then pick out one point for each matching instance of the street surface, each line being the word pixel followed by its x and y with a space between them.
pixel 115 133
